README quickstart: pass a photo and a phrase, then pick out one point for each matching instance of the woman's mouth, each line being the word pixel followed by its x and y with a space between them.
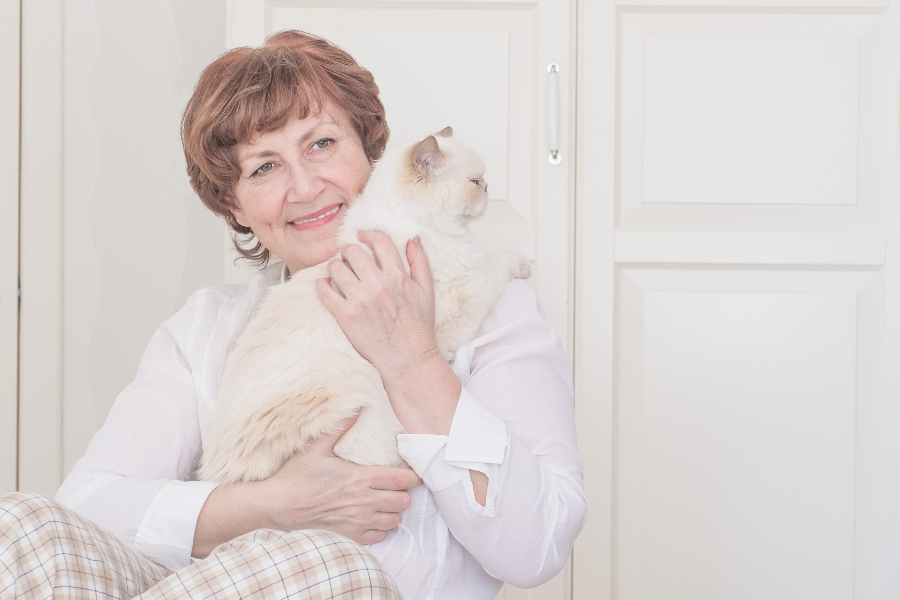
pixel 318 218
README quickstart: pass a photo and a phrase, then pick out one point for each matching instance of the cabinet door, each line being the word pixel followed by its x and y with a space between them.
pixel 482 69
pixel 738 416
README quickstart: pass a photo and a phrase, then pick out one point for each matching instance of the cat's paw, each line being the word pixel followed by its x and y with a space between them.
pixel 521 269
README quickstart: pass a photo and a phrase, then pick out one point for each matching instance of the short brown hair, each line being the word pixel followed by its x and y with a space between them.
pixel 249 91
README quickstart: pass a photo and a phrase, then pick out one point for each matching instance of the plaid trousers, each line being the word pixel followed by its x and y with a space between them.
pixel 49 551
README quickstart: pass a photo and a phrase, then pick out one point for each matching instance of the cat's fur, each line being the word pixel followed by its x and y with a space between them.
pixel 293 375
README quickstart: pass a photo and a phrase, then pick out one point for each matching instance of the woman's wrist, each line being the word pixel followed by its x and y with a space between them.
pixel 229 511
pixel 424 395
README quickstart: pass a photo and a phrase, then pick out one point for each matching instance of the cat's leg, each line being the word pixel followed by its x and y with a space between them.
pixel 503 267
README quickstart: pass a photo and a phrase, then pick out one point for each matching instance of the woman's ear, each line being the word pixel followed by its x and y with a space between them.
pixel 236 210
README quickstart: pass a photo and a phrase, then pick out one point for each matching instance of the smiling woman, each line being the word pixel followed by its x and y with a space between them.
pixel 279 141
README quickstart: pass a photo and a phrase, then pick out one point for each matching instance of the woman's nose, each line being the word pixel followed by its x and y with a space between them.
pixel 304 184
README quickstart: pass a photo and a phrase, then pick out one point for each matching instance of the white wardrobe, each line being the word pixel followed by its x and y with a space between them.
pixel 711 239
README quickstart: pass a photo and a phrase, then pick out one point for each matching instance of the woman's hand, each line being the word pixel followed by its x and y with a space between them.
pixel 386 313
pixel 388 316
pixel 313 490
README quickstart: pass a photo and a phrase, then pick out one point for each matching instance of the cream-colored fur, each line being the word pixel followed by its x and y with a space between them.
pixel 293 375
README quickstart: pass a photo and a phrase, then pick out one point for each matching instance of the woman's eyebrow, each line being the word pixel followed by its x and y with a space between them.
pixel 257 154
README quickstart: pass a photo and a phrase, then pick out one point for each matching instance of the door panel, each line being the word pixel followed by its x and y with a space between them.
pixel 752 121
pixel 748 404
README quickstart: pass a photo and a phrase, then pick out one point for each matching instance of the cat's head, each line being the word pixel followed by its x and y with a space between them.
pixel 445 179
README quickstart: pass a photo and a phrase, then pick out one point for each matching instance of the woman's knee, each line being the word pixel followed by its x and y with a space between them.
pixel 23 507
pixel 27 516
pixel 321 555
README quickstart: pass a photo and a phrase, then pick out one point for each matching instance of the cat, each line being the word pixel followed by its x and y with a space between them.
pixel 294 376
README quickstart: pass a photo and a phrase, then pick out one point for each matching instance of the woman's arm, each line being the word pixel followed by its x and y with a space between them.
pixel 515 422
pixel 500 456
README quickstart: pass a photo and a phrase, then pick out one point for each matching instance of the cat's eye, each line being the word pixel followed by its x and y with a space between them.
pixel 476 181
pixel 265 168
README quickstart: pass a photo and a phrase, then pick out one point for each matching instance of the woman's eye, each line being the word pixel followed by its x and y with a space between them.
pixel 264 168
pixel 323 143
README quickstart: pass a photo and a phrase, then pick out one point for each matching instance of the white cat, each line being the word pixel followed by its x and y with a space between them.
pixel 293 375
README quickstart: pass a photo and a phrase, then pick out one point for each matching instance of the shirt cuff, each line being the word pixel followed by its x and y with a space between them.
pixel 478 440
pixel 166 533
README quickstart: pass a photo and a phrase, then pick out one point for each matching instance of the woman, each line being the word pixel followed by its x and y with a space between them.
pixel 279 141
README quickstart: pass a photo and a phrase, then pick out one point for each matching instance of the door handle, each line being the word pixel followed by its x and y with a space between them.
pixel 553 113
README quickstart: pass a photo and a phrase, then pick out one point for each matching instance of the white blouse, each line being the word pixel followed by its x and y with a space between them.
pixel 514 422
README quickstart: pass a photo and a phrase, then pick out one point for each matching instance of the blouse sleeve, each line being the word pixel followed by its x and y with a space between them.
pixel 131 479
pixel 515 423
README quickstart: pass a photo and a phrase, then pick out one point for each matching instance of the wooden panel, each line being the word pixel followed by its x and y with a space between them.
pixel 736 120
pixel 9 243
pixel 40 366
pixel 710 247
pixel 712 102
pixel 748 427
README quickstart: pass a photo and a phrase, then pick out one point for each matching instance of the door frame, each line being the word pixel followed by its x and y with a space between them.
pixel 41 248
pixel 594 291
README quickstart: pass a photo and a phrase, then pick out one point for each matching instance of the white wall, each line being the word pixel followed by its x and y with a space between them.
pixel 113 222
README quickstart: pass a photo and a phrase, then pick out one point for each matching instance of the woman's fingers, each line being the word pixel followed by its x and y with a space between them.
pixel 330 297
pixel 357 259
pixel 344 276
pixel 372 536
pixel 384 249
pixel 389 478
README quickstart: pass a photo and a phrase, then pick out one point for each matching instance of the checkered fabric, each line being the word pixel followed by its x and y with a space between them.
pixel 48 551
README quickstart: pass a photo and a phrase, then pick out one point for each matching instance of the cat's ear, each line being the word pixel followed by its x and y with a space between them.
pixel 445 132
pixel 427 155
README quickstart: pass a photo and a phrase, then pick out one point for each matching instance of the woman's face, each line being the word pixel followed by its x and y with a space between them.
pixel 297 182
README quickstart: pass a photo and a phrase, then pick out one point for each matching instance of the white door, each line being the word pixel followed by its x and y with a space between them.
pixel 482 69
pixel 737 338
pixel 9 244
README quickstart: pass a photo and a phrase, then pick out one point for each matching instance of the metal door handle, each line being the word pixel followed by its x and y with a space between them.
pixel 553 113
